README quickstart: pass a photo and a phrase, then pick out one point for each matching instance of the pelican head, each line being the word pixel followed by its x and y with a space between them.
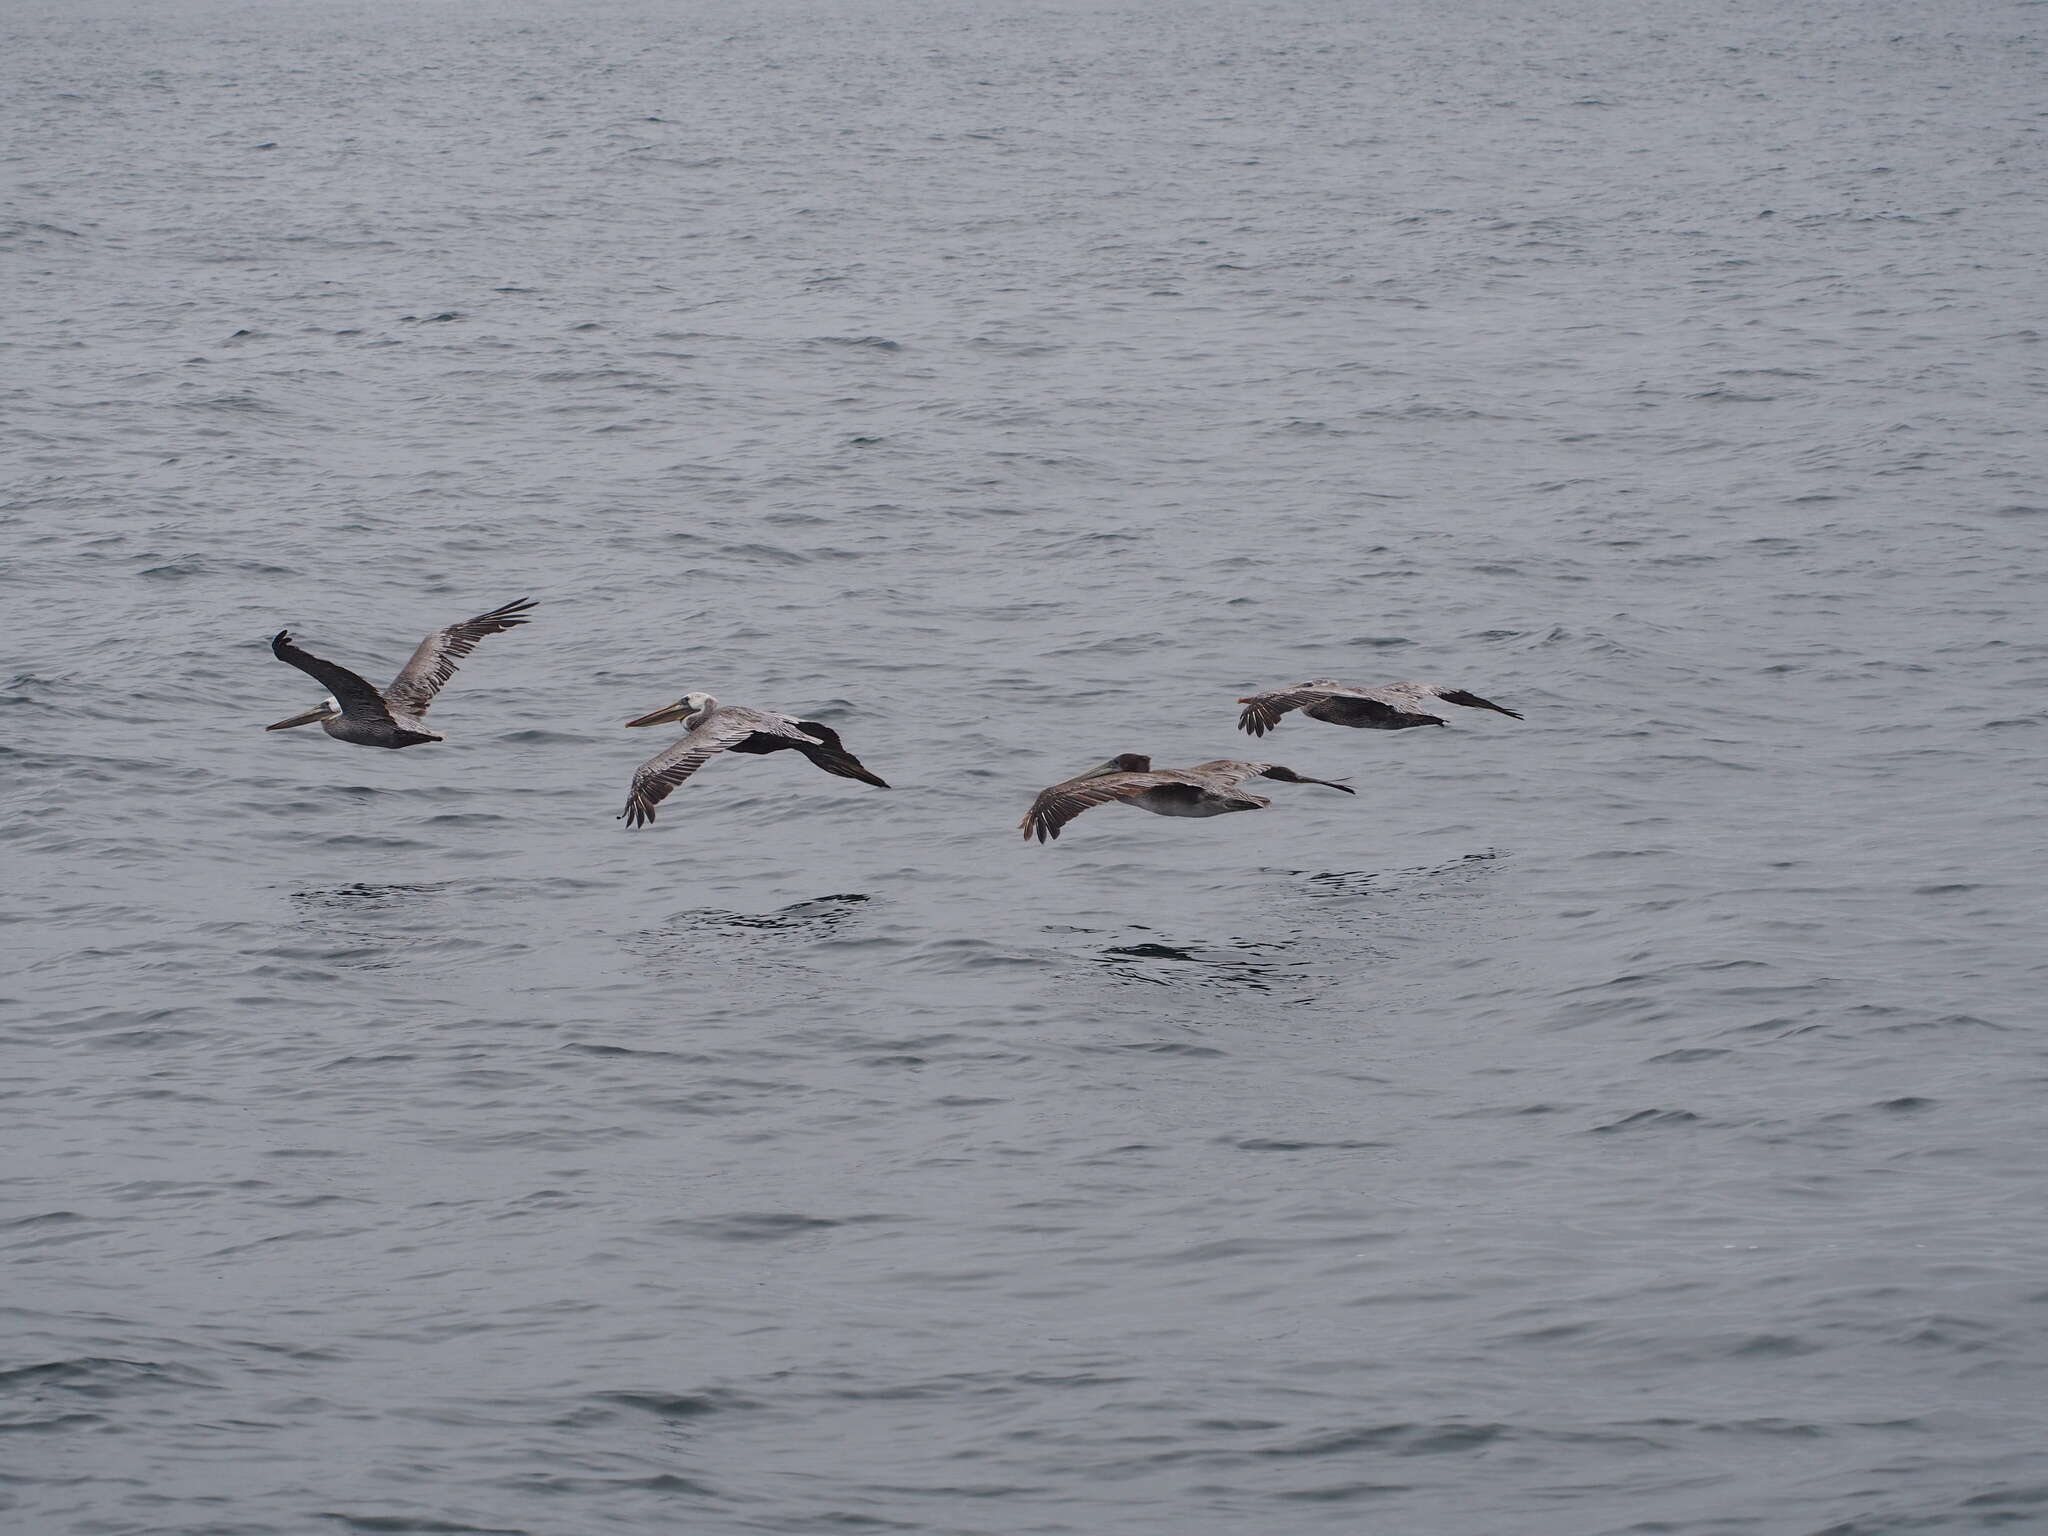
pixel 1123 762
pixel 688 705
pixel 329 708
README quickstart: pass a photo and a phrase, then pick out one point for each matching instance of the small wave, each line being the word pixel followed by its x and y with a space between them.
pixel 751 1226
pixel 679 1405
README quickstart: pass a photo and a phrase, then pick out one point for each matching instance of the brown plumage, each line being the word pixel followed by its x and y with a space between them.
pixel 357 712
pixel 712 728
pixel 1392 707
pixel 1207 789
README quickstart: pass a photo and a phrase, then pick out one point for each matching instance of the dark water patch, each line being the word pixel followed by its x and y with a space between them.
pixel 418 1525
pixel 752 1226
pixel 681 1406
pixel 1649 1119
pixel 47 1424
pixel 41 1219
pixel 812 916
pixel 101 1378
pixel 1343 1493
pixel 1441 1439
pixel 583 1048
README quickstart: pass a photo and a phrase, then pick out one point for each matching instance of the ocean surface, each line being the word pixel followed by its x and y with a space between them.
pixel 1629 1119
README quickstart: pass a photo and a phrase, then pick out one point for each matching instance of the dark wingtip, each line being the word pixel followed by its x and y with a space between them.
pixel 1471 700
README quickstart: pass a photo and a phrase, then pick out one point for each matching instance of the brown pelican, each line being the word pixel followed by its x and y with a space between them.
pixel 713 728
pixel 1394 707
pixel 355 711
pixel 1207 789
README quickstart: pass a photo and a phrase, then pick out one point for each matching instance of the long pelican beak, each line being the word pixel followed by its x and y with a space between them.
pixel 308 718
pixel 676 711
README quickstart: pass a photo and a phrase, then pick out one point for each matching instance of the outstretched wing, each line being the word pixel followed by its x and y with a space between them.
pixel 1262 711
pixel 1473 701
pixel 654 779
pixel 828 751
pixel 1060 804
pixel 358 700
pixel 832 756
pixel 435 660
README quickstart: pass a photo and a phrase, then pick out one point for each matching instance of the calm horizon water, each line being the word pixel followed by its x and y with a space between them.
pixel 1623 1120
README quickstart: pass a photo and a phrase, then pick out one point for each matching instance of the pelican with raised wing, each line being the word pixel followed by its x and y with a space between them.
pixel 1391 707
pixel 1207 789
pixel 355 711
pixel 711 728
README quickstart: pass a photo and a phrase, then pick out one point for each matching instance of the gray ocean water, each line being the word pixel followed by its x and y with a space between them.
pixel 1623 1120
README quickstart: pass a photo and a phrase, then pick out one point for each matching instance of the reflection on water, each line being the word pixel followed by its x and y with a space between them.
pixel 1392 882
pixel 752 950
pixel 362 899
pixel 1235 965
pixel 819 917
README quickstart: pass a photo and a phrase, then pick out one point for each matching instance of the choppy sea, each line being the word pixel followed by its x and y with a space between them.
pixel 1628 1119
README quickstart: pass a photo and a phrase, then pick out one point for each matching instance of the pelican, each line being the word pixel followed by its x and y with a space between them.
pixel 1207 789
pixel 1393 707
pixel 713 728
pixel 355 711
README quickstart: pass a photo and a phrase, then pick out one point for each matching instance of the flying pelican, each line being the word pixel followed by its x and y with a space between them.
pixel 713 728
pixel 1394 707
pixel 1207 789
pixel 355 711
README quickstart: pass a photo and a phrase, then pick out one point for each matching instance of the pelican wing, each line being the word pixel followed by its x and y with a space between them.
pixel 727 728
pixel 833 757
pixel 435 660
pixel 653 779
pixel 828 751
pixel 1473 701
pixel 1262 711
pixel 1228 772
pixel 1060 804
pixel 358 700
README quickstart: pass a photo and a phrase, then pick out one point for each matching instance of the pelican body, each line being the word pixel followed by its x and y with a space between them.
pixel 711 728
pixel 1207 789
pixel 355 711
pixel 1393 707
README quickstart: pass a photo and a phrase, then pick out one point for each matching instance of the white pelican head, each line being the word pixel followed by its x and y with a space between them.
pixel 690 704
